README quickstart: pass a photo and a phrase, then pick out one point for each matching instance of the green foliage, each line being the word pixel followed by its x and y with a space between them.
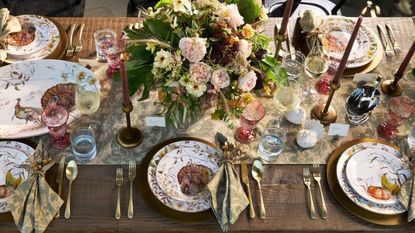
pixel 162 30
pixel 140 55
pixel 274 71
pixel 163 3
pixel 140 75
pixel 249 9
pixel 413 72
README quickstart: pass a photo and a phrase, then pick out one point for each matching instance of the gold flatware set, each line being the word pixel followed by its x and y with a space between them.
pixel 390 50
pixel 257 173
pixel 119 176
pixel 72 50
pixel 308 177
pixel 71 174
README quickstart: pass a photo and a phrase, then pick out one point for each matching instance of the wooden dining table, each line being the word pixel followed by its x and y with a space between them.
pixel 93 192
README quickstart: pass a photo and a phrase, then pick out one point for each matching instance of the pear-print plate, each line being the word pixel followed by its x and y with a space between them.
pixel 396 208
pixel 12 155
pixel 337 34
pixel 194 206
pixel 22 86
pixel 45 38
pixel 183 173
pixel 377 176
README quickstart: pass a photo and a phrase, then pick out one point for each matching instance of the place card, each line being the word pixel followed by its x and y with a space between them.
pixel 339 129
pixel 155 121
pixel 367 78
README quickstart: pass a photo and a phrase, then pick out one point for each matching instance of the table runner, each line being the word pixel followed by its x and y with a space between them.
pixel 112 118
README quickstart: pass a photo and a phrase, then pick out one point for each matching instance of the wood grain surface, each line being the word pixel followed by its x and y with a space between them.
pixel 94 191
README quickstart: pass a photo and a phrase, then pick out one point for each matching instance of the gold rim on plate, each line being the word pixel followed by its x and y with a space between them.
pixel 340 196
pixel 153 202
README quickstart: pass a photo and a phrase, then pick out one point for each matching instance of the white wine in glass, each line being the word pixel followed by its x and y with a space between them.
pixel 87 98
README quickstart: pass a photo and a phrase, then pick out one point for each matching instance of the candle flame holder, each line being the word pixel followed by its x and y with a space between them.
pixel 325 113
pixel 392 87
pixel 129 137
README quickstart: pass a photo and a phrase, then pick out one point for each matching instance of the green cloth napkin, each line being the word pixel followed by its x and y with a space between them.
pixel 33 203
pixel 8 24
pixel 228 196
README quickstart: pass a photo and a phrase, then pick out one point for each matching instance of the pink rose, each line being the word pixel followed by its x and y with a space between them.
pixel 193 49
pixel 200 72
pixel 247 82
pixel 220 78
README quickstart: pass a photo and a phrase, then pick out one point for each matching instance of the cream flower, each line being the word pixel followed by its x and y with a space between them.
pixel 247 82
pixel 231 14
pixel 193 49
pixel 245 48
pixel 200 72
pixel 185 80
pixel 248 31
pixel 163 59
pixel 263 16
pixel 220 78
pixel 195 88
pixel 184 6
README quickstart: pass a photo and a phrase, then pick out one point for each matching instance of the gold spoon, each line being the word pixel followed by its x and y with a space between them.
pixel 71 173
pixel 257 173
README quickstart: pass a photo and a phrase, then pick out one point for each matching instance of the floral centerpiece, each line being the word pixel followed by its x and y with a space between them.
pixel 202 54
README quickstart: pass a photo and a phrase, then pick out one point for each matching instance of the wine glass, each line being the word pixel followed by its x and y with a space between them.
pixel 288 97
pixel 251 115
pixel 55 117
pixel 400 109
pixel 316 64
pixel 87 97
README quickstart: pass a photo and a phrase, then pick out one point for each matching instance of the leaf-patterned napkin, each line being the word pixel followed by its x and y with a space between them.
pixel 34 204
pixel 8 24
pixel 228 196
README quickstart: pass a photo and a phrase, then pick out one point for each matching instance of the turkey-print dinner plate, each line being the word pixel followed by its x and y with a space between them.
pixel 12 154
pixel 22 86
pixel 377 176
pixel 183 173
pixel 337 34
pixel 392 209
pixel 194 206
pixel 39 37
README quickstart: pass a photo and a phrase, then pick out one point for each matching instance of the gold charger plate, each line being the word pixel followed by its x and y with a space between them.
pixel 340 196
pixel 154 203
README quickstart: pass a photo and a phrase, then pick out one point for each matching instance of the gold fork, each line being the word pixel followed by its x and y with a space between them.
pixel 307 182
pixel 118 182
pixel 317 178
pixel 131 177
pixel 78 47
pixel 70 50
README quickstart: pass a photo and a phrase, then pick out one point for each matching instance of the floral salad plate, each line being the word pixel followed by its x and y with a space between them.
pixel 377 176
pixel 22 86
pixel 12 155
pixel 365 148
pixel 183 173
pixel 193 203
pixel 39 38
pixel 337 34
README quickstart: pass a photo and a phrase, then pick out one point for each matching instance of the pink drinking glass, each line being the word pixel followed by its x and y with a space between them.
pixel 55 117
pixel 323 84
pixel 251 115
pixel 113 55
pixel 400 109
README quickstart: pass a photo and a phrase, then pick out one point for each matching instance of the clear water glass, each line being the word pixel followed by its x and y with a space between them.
pixel 317 62
pixel 272 143
pixel 294 64
pixel 83 143
pixel 104 39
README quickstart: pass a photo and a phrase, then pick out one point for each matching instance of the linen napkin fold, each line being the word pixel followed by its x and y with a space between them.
pixel 8 24
pixel 33 203
pixel 407 192
pixel 228 196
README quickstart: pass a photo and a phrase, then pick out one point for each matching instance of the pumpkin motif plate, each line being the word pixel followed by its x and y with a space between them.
pixel 199 203
pixel 22 86
pixel 392 209
pixel 337 34
pixel 39 37
pixel 12 155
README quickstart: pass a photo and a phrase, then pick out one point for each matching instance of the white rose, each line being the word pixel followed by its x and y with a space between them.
pixel 231 14
pixel 220 78
pixel 200 72
pixel 162 59
pixel 193 49
pixel 247 82
pixel 245 48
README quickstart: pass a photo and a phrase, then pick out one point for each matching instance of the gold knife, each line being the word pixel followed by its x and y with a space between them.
pixel 59 178
pixel 245 180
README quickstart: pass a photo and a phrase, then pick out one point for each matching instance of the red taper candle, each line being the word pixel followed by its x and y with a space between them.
pixel 125 91
pixel 286 17
pixel 343 62
pixel 406 60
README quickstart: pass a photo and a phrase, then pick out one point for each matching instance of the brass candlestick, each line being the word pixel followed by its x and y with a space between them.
pixel 278 40
pixel 324 112
pixel 392 87
pixel 129 137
